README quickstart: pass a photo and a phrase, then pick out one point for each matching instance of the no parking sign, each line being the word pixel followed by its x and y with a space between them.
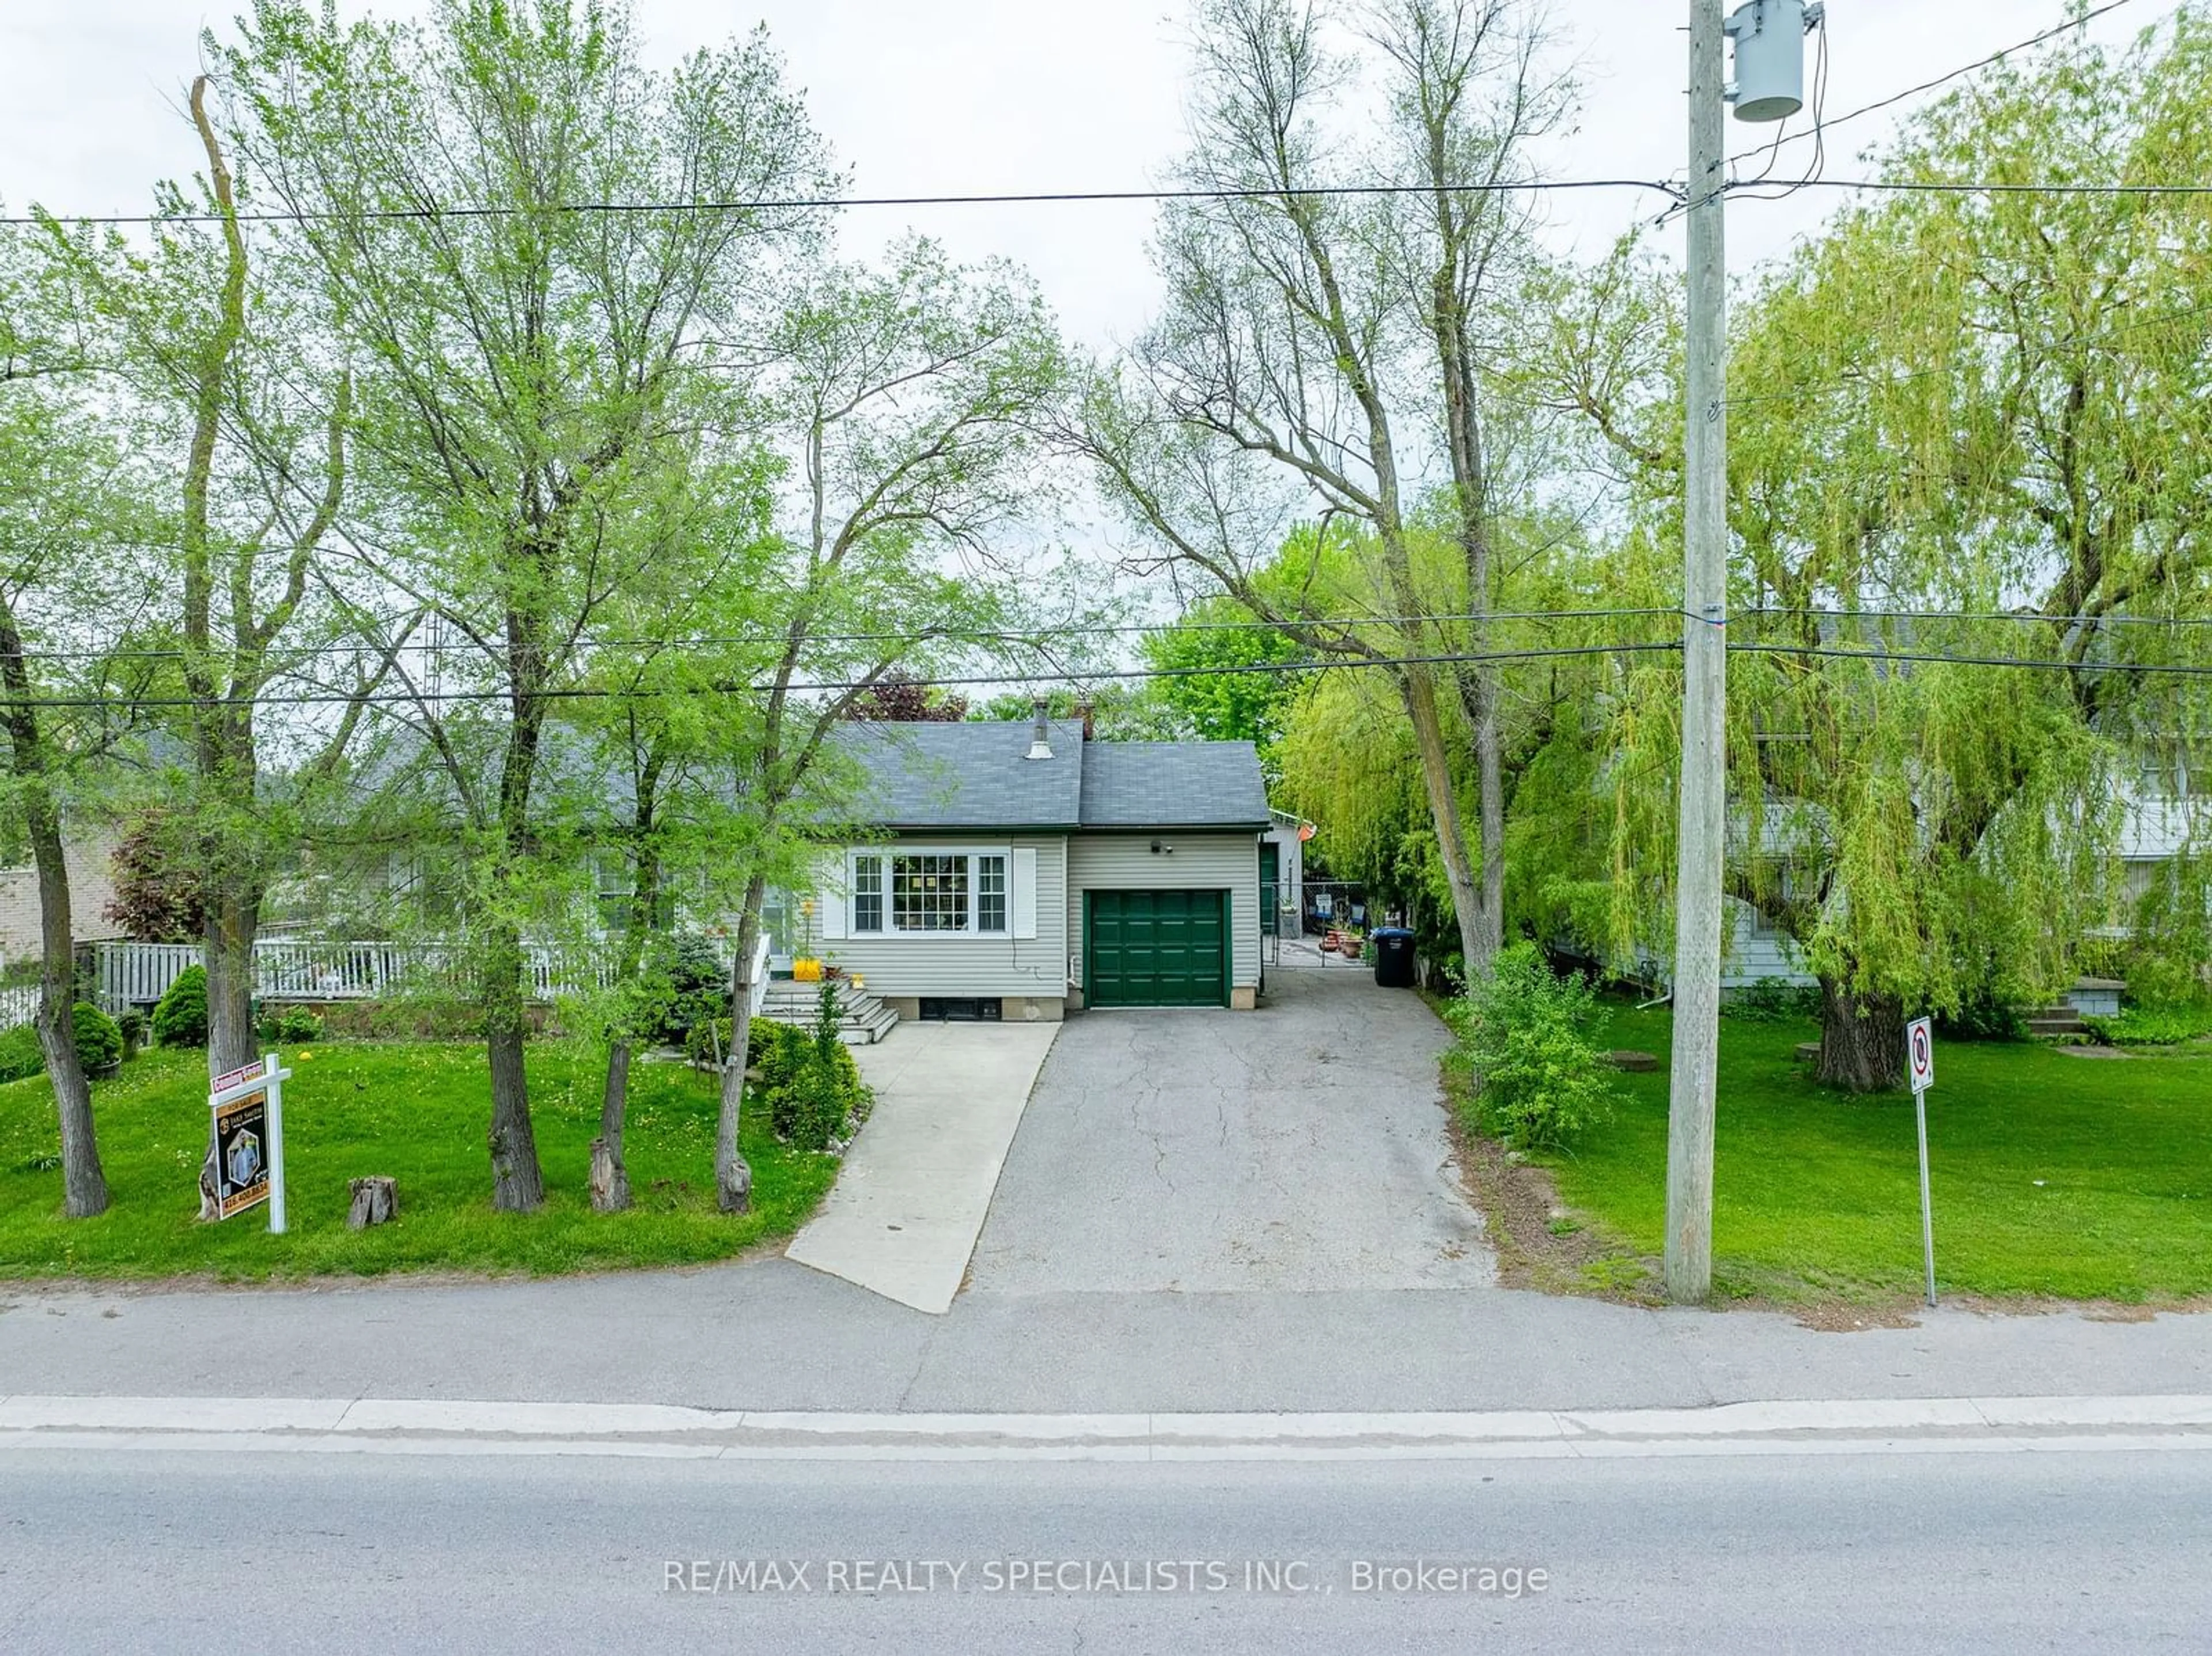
pixel 1920 1053
pixel 1920 1068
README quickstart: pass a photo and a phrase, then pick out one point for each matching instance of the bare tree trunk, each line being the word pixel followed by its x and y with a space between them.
pixel 84 1185
pixel 1861 1039
pixel 1493 785
pixel 733 1175
pixel 610 1177
pixel 1443 808
pixel 234 916
pixel 518 1185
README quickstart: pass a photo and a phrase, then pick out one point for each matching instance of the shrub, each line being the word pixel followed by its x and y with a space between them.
pixel 134 1028
pixel 21 1054
pixel 98 1042
pixel 823 1101
pixel 1985 1013
pixel 299 1024
pixel 181 1018
pixel 693 981
pixel 1526 1034
pixel 1773 1000
pixel 2153 1026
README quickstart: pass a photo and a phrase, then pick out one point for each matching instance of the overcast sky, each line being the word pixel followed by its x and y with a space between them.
pixel 928 97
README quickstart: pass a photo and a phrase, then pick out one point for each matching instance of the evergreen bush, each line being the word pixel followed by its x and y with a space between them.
pixel 98 1042
pixel 181 1018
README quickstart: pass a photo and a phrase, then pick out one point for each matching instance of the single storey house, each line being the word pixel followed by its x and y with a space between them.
pixel 1020 870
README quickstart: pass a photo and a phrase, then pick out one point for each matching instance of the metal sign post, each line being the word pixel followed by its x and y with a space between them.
pixel 1920 1062
pixel 248 1107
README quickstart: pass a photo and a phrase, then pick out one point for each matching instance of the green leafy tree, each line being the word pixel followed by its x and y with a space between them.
pixel 1341 358
pixel 1992 406
pixel 530 374
pixel 1225 706
pixel 63 584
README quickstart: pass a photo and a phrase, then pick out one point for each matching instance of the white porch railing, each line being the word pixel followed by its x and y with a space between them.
pixel 127 975
pixel 19 1005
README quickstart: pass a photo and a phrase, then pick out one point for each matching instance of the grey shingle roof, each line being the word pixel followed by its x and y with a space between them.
pixel 958 776
pixel 1180 784
pixel 923 776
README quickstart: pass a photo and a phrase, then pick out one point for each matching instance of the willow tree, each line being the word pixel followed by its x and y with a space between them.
pixel 537 246
pixel 1338 356
pixel 1988 408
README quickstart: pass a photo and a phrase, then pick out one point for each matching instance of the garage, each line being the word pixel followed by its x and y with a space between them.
pixel 1156 948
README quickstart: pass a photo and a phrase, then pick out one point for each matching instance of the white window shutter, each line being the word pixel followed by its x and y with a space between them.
pixel 833 902
pixel 1023 874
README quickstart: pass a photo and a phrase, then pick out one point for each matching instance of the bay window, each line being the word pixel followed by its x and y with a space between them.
pixel 944 893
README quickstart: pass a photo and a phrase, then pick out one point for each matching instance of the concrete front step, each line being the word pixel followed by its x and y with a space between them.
pixel 865 1020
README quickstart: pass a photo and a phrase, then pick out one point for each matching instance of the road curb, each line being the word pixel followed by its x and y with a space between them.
pixel 439 1426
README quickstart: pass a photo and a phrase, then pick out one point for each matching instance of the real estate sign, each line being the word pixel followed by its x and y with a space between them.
pixel 248 1108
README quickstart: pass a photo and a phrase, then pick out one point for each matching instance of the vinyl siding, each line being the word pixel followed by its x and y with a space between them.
pixel 1750 958
pixel 1200 862
pixel 955 966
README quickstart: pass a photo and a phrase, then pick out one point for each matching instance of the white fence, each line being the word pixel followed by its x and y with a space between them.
pixel 127 975
pixel 19 1005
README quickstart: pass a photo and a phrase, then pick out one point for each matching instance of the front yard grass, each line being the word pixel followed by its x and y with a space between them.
pixel 2054 1176
pixel 418 1112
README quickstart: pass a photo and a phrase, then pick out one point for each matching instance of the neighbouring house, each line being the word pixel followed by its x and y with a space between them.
pixel 1018 870
pixel 1283 872
pixel 89 855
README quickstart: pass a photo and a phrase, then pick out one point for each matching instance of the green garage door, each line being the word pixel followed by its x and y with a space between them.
pixel 1156 948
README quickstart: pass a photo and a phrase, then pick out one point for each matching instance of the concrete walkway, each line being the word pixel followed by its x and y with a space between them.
pixel 904 1215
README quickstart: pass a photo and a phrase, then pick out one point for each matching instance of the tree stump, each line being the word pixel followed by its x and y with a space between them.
pixel 375 1202
pixel 609 1181
pixel 1634 1062
pixel 1808 1051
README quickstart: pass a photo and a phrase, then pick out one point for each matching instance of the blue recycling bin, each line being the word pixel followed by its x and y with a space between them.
pixel 1394 956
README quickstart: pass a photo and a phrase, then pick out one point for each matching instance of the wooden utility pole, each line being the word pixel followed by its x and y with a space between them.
pixel 1689 1246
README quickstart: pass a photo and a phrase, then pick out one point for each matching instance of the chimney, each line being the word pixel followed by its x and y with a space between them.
pixel 1083 712
pixel 1040 747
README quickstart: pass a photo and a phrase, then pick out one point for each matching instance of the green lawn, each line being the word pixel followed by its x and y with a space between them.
pixel 419 1113
pixel 2070 1177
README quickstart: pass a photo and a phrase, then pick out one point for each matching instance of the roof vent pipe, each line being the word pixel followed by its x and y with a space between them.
pixel 1040 747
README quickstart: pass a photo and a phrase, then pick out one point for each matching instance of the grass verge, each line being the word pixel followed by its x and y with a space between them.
pixel 418 1112
pixel 2055 1180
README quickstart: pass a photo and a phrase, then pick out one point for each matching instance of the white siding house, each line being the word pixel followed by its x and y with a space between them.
pixel 1021 871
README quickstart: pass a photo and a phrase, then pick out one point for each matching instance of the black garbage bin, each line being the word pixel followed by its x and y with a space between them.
pixel 1394 956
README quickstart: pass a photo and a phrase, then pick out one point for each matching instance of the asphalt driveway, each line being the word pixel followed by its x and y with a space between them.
pixel 1301 1149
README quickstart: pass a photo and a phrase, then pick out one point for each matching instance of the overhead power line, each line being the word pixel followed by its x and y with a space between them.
pixel 814 203
pixel 1832 122
pixel 1035 638
pixel 658 692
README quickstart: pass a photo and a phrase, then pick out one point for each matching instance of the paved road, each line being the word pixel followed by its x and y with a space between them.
pixel 2062 1551
pixel 1298 1148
